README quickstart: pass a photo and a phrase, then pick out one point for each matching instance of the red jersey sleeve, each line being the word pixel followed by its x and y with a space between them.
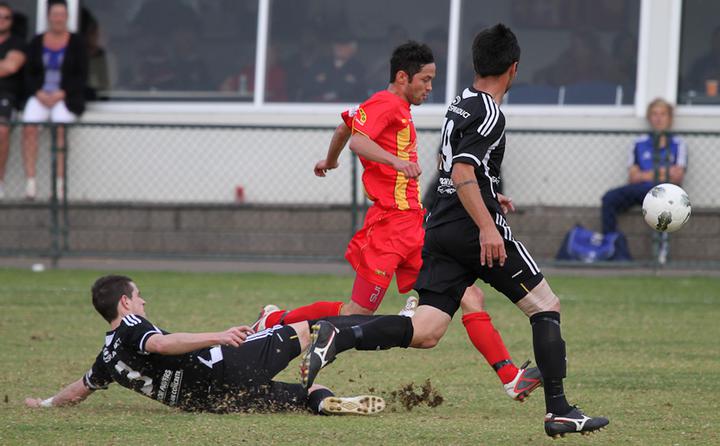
pixel 348 116
pixel 372 118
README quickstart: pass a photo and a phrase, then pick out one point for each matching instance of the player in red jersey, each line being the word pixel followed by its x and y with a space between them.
pixel 381 132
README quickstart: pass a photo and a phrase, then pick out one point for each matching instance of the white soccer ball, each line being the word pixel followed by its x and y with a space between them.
pixel 666 208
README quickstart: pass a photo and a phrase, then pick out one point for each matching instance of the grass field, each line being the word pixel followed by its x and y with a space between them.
pixel 642 351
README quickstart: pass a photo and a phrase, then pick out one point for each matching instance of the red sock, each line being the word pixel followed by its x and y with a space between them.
pixel 487 340
pixel 316 310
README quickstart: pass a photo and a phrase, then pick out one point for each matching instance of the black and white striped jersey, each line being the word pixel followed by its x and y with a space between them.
pixel 473 132
pixel 178 380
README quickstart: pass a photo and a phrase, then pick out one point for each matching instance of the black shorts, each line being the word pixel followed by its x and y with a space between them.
pixel 245 383
pixel 451 263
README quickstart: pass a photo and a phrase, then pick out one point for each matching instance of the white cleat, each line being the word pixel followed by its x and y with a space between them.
pixel 259 324
pixel 410 306
pixel 353 405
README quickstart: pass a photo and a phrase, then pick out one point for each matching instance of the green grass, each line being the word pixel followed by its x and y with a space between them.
pixel 642 351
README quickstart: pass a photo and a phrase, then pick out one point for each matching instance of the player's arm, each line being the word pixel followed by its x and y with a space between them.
pixel 12 63
pixel 337 144
pixel 180 343
pixel 369 149
pixel 492 245
pixel 677 174
pixel 72 394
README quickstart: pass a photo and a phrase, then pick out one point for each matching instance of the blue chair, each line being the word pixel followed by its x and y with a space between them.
pixel 528 94
pixel 591 93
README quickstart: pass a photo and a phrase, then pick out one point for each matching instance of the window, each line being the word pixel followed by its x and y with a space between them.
pixel 159 49
pixel 24 14
pixel 574 52
pixel 332 51
pixel 699 53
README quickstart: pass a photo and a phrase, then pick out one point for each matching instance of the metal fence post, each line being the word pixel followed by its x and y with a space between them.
pixel 54 217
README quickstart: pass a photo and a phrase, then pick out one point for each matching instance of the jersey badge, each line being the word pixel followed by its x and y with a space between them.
pixel 361 116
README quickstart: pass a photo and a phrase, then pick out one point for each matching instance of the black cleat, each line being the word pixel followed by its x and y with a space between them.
pixel 573 421
pixel 320 353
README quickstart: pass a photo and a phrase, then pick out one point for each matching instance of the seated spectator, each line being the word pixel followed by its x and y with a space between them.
pixel 55 79
pixel 657 157
pixel 12 59
pixel 338 78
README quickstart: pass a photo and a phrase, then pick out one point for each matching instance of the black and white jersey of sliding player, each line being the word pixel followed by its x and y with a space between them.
pixel 473 132
pixel 176 380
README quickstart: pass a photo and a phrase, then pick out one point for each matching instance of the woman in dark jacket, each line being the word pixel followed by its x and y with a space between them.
pixel 56 72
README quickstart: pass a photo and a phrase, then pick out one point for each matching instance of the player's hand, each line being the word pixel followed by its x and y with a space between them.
pixel 506 203
pixel 323 166
pixel 234 336
pixel 492 246
pixel 410 169
pixel 33 402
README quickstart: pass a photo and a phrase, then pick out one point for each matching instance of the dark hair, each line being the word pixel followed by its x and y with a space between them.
pixel 52 3
pixel 106 293
pixel 410 58
pixel 494 50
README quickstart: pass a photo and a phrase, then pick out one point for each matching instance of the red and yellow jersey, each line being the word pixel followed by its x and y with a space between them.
pixel 385 118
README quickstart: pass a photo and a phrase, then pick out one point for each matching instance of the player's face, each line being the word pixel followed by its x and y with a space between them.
pixel 420 85
pixel 659 118
pixel 136 302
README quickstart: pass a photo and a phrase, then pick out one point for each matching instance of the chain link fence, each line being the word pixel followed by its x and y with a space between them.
pixel 554 172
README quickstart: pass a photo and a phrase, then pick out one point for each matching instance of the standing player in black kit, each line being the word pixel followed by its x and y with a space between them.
pixel 468 238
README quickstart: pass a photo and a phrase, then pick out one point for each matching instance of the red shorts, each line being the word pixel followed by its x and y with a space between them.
pixel 390 242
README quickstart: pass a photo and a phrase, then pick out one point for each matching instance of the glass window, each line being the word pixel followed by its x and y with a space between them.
pixel 573 51
pixel 23 20
pixel 699 53
pixel 339 51
pixel 161 49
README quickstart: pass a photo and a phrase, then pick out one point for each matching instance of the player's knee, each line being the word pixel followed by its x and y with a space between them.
pixel 428 341
pixel 539 299
pixel 473 300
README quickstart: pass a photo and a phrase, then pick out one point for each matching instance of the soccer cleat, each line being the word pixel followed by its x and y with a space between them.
pixel 353 405
pixel 573 421
pixel 410 306
pixel 526 380
pixel 259 324
pixel 320 353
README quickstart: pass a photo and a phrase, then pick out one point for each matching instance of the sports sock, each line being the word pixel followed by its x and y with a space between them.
pixel 488 342
pixel 382 333
pixel 347 321
pixel 316 310
pixel 550 357
pixel 314 400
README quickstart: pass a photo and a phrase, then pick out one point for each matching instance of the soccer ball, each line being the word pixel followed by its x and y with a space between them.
pixel 666 208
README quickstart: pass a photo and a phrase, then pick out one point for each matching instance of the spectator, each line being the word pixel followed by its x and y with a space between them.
pixel 55 79
pixel 12 59
pixel 584 60
pixel 707 66
pixel 338 78
pixel 657 157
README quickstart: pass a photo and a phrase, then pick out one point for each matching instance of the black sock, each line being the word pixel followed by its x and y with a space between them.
pixel 346 321
pixel 381 333
pixel 316 397
pixel 549 350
